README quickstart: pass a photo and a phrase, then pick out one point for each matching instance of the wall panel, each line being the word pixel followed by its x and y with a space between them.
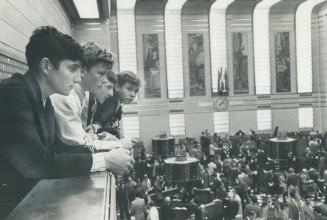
pixel 18 20
pixel 150 20
pixel 195 21
pixel 239 20
pixel 282 19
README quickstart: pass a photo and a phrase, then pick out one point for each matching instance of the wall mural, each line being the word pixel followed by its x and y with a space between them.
pixel 240 63
pixel 151 66
pixel 282 60
pixel 196 64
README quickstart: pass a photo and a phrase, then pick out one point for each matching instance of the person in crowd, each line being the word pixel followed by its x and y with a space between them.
pixel 211 166
pixel 250 216
pixel 167 211
pixel 261 158
pixel 323 208
pixel 138 207
pixel 274 186
pixel 253 207
pixel 294 206
pixel 233 206
pixel 131 186
pixel 205 176
pixel 72 111
pixel 108 114
pixel 123 199
pixel 292 181
pixel 146 184
pixel 273 210
pixel 308 209
pixel 152 211
pixel 244 186
pixel 195 152
pixel 29 148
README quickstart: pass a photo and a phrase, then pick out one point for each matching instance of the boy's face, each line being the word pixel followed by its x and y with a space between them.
pixel 62 80
pixel 104 91
pixel 127 92
pixel 95 77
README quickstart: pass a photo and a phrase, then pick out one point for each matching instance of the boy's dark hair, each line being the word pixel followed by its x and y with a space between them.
pixel 254 199
pixel 112 77
pixel 292 194
pixel 94 54
pixel 130 77
pixel 47 41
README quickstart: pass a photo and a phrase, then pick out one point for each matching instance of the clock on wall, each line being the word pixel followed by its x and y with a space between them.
pixel 221 104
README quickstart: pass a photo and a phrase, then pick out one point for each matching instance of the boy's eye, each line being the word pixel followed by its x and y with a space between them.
pixel 73 69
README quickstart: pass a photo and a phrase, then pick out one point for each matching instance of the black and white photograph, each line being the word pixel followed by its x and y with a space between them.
pixel 163 110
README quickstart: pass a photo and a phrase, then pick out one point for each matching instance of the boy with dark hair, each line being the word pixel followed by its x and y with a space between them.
pixel 29 150
pixel 108 115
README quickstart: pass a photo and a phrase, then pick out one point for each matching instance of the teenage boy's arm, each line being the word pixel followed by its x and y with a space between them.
pixel 21 143
pixel 70 127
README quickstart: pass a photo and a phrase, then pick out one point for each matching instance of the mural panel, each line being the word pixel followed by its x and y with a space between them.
pixel 196 64
pixel 282 58
pixel 152 87
pixel 240 63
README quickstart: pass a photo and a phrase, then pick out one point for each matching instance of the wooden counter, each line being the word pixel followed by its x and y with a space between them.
pixel 86 197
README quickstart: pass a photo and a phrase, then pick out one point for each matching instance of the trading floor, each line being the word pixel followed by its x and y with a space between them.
pixel 163 109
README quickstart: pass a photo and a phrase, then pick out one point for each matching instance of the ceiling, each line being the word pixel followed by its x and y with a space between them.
pixel 79 11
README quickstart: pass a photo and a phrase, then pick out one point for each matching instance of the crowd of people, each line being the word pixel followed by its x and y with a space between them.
pixel 262 187
pixel 239 172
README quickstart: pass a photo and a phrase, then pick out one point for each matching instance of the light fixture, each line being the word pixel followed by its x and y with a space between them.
pixel 87 9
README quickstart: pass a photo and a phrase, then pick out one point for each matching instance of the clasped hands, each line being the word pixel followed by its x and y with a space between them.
pixel 119 159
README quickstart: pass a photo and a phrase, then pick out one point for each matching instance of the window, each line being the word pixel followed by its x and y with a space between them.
pixel 306 117
pixel 196 64
pixel 131 127
pixel 240 63
pixel 221 122
pixel 177 124
pixel 282 58
pixel 264 119
pixel 151 66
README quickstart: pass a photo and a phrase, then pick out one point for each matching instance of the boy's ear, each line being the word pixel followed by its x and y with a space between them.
pixel 45 66
pixel 117 87
pixel 83 71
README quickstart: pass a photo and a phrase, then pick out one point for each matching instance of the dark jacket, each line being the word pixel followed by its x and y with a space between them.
pixel 167 212
pixel 108 114
pixel 294 210
pixel 293 179
pixel 29 150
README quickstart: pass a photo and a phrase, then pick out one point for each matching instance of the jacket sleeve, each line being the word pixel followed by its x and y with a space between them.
pixel 69 124
pixel 22 146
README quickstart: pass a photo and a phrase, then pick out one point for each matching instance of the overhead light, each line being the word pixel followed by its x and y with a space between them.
pixel 87 9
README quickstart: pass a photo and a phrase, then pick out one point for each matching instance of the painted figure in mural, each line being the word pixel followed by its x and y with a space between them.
pixel 196 64
pixel 240 63
pixel 151 66
pixel 283 72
